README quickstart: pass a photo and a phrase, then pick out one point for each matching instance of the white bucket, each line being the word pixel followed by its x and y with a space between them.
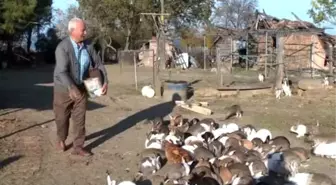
pixel 148 91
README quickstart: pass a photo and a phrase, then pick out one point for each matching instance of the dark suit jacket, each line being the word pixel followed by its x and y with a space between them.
pixel 66 68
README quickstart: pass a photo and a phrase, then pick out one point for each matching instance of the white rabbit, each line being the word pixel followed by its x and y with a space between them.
pixel 231 127
pixel 309 179
pixel 325 150
pixel 113 182
pixel 261 77
pixel 300 130
pixel 286 87
pixel 263 134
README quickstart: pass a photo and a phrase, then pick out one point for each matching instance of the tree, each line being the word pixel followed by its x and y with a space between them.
pixel 15 18
pixel 235 14
pixel 42 15
pixel 47 43
pixel 122 17
pixel 16 15
pixel 323 11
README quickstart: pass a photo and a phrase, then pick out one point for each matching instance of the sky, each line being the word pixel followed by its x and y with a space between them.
pixel 276 8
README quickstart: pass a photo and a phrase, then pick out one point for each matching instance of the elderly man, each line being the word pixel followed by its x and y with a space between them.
pixel 74 59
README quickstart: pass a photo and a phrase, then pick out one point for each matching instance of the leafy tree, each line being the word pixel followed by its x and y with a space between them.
pixel 121 18
pixel 47 43
pixel 15 15
pixel 235 14
pixel 19 19
pixel 41 17
pixel 323 11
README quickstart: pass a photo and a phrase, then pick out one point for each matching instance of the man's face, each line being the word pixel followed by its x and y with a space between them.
pixel 79 32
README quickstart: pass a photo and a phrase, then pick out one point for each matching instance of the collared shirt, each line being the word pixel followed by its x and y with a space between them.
pixel 83 58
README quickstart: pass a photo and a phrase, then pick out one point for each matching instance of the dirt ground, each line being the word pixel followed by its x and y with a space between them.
pixel 115 124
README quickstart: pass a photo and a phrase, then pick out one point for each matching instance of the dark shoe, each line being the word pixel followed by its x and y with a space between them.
pixel 60 145
pixel 81 152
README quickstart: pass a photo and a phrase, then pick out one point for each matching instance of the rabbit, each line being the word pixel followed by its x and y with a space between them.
pixel 191 140
pixel 159 126
pixel 150 165
pixel 321 138
pixel 231 127
pixel 225 175
pixel 305 130
pixel 232 110
pixel 175 171
pixel 154 143
pixel 244 180
pixel 253 155
pixel 208 137
pixel 199 128
pixel 263 134
pixel 203 153
pixel 286 88
pixel 237 134
pixel 257 142
pixel 203 179
pixel 219 132
pixel 280 143
pixel 257 168
pixel 113 182
pixel 210 122
pixel 301 152
pixel 261 77
pixel 325 150
pixel 153 153
pixel 248 130
pixel 299 129
pixel 239 169
pixel 176 120
pixel 216 147
pixel 284 163
pixel 309 179
pixel 174 139
pixel 204 169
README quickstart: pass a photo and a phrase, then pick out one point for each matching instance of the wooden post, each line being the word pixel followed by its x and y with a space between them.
pixel 331 59
pixel 157 84
pixel 266 54
pixel 204 54
pixel 247 52
pixel 219 73
pixel 163 51
pixel 280 65
pixel 135 71
pixel 311 61
pixel 120 63
pixel 231 54
pixel 153 64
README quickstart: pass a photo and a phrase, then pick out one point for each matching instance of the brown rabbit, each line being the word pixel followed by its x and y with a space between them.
pixel 233 110
pixel 280 143
pixel 159 126
pixel 176 120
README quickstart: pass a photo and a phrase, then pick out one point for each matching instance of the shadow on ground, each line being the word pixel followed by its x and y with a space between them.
pixel 9 160
pixel 159 110
pixel 27 128
pixel 29 89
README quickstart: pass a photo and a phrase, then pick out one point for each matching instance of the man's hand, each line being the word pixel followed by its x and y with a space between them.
pixel 74 93
pixel 104 89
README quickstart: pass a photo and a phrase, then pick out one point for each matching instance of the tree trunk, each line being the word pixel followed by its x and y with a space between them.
pixel 128 39
pixel 9 53
pixel 29 42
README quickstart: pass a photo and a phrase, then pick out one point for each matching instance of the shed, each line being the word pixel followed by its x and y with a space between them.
pixel 305 45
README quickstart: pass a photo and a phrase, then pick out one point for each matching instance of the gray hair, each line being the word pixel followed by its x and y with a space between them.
pixel 72 23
